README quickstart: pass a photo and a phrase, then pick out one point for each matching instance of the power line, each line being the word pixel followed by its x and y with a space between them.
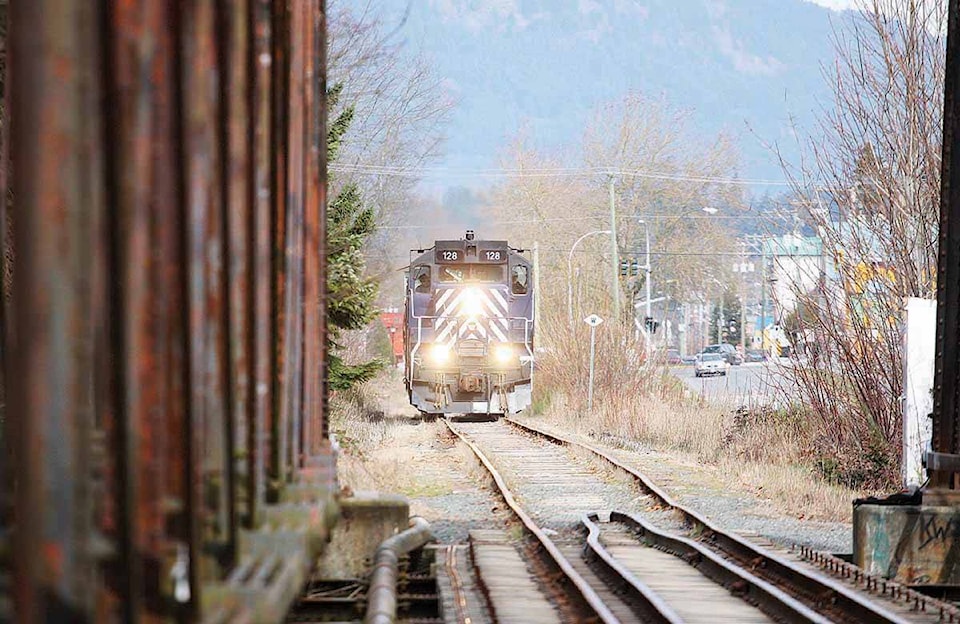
pixel 756 216
pixel 542 172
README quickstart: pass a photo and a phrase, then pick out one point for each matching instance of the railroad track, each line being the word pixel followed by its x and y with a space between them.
pixel 660 561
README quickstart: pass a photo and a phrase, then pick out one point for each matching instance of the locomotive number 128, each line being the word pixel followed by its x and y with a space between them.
pixel 493 256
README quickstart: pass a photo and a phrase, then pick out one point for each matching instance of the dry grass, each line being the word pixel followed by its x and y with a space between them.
pixel 758 452
pixel 382 442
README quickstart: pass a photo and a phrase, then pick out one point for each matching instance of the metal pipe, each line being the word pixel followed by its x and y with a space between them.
pixel 382 595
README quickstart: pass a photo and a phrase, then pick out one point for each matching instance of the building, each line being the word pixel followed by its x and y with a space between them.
pixel 795 265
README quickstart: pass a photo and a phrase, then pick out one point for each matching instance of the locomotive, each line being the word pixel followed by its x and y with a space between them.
pixel 469 327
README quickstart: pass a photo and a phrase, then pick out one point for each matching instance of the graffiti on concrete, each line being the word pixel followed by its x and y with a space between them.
pixel 937 529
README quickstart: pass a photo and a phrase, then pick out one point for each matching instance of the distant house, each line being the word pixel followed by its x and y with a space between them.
pixel 796 265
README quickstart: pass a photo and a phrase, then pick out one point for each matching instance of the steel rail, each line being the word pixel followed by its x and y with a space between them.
pixel 459 596
pixel 588 595
pixel 768 598
pixel 826 595
pixel 615 572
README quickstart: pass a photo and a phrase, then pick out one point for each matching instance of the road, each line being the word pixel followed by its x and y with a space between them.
pixel 747 384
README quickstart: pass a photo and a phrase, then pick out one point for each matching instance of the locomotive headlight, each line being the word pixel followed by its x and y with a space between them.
pixel 440 353
pixel 471 303
pixel 503 353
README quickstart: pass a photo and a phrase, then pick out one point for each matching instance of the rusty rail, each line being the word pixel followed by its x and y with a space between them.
pixel 167 316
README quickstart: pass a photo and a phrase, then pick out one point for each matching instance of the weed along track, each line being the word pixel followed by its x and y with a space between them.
pixel 625 551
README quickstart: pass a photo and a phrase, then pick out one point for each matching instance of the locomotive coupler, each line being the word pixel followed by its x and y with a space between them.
pixel 472 382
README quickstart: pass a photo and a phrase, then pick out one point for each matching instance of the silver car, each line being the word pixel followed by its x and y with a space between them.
pixel 711 364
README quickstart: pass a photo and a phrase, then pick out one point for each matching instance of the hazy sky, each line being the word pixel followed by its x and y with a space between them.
pixel 837 5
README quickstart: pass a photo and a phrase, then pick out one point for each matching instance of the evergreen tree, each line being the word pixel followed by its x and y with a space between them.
pixel 351 295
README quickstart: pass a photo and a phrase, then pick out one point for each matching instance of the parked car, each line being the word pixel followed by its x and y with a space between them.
pixel 673 357
pixel 755 355
pixel 728 351
pixel 711 364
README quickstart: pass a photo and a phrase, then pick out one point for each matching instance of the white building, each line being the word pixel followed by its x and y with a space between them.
pixel 795 266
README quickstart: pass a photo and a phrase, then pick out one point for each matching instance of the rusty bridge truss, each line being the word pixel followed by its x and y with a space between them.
pixel 163 319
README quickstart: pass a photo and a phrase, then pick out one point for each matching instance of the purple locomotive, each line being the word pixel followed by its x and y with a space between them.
pixel 468 331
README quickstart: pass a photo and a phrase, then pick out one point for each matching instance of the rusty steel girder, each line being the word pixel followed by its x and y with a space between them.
pixel 944 462
pixel 166 342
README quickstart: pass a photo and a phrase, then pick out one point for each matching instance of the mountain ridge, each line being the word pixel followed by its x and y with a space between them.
pixel 751 68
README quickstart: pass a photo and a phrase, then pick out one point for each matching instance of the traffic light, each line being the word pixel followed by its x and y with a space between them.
pixel 634 266
pixel 651 324
pixel 624 268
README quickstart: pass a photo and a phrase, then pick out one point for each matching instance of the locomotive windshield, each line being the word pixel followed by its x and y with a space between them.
pixel 518 280
pixel 482 273
pixel 421 280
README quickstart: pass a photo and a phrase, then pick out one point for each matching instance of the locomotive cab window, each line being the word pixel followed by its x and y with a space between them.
pixel 421 279
pixel 482 273
pixel 518 280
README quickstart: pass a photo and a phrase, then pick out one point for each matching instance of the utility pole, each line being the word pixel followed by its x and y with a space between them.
pixel 684 328
pixel 721 322
pixel 614 253
pixel 743 295
pixel 743 319
pixel 763 294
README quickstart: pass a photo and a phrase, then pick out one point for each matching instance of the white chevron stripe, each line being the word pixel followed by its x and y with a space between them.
pixel 443 297
pixel 498 295
pixel 496 330
pixel 447 332
pixel 494 308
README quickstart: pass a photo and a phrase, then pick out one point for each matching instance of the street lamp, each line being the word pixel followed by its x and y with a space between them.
pixel 570 271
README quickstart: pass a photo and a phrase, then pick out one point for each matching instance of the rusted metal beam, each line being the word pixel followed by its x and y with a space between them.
pixel 239 203
pixel 207 302
pixel 58 185
pixel 291 399
pixel 946 403
pixel 279 424
pixel 6 249
pixel 147 220
pixel 261 252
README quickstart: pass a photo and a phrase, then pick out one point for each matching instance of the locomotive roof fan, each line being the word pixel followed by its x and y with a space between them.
pixel 469 235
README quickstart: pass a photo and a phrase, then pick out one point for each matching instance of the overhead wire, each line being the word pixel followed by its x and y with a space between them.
pixel 543 172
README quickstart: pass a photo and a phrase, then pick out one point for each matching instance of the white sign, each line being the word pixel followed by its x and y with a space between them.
pixel 593 320
pixel 920 345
